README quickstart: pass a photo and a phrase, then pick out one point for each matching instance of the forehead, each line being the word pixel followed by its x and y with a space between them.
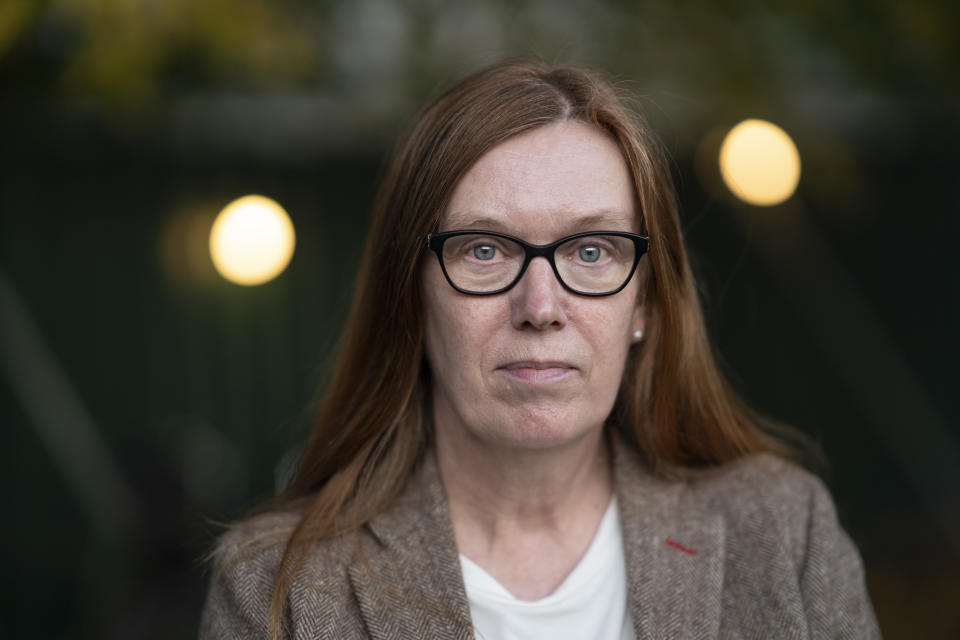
pixel 557 179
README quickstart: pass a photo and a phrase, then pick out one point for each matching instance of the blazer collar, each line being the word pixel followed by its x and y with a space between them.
pixel 409 584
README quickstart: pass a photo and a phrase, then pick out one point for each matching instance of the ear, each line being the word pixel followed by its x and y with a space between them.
pixel 639 322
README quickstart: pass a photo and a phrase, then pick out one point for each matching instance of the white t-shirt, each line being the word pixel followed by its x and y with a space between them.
pixel 590 603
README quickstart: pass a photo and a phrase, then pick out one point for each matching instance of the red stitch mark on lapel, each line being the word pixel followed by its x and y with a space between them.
pixel 677 545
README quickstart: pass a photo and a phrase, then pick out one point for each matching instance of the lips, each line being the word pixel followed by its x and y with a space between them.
pixel 537 370
pixel 538 365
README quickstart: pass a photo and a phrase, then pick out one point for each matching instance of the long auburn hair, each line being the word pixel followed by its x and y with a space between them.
pixel 371 430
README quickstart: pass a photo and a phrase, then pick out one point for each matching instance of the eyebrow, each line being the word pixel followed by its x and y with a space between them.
pixel 606 220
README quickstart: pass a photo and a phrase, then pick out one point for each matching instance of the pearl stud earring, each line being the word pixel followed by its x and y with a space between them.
pixel 638 335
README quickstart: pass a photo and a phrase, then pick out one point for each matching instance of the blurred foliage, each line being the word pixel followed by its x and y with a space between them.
pixel 128 50
pixel 130 53
pixel 125 52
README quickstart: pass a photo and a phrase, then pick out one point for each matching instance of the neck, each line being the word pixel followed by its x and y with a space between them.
pixel 498 494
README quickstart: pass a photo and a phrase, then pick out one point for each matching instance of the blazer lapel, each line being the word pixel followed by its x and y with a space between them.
pixel 408 583
pixel 674 550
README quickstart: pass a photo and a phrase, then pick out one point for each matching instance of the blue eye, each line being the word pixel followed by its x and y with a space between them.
pixel 484 252
pixel 589 253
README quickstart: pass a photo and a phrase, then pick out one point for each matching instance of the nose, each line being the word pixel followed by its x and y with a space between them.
pixel 537 300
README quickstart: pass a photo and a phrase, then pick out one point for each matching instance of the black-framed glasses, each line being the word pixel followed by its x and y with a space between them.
pixel 485 263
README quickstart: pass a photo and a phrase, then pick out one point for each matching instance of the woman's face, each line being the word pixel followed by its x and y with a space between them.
pixel 536 366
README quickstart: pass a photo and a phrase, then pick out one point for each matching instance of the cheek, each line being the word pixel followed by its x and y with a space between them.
pixel 437 319
pixel 449 338
pixel 610 334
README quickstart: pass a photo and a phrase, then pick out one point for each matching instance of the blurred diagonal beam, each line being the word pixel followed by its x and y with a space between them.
pixel 865 357
pixel 54 409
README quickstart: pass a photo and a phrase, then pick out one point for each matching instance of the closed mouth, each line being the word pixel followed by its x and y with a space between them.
pixel 537 365
pixel 537 371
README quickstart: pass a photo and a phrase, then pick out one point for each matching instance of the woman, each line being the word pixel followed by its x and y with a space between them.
pixel 525 434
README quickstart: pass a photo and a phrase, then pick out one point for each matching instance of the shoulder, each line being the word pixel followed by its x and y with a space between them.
pixel 256 545
pixel 245 565
pixel 783 545
pixel 762 476
pixel 764 495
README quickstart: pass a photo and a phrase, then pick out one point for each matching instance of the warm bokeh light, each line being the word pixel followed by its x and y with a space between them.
pixel 251 241
pixel 760 163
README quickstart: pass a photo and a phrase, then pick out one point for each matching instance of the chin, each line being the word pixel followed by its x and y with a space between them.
pixel 543 430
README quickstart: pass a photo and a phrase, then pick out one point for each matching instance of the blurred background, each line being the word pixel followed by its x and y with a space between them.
pixel 144 397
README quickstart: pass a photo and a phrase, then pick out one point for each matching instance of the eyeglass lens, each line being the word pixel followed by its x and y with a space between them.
pixel 591 264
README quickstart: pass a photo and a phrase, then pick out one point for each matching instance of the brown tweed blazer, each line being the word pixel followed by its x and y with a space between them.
pixel 751 550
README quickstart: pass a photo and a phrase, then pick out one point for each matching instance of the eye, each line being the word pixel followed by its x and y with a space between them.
pixel 484 252
pixel 589 253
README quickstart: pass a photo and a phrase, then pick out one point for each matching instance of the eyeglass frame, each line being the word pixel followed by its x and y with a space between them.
pixel 435 243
